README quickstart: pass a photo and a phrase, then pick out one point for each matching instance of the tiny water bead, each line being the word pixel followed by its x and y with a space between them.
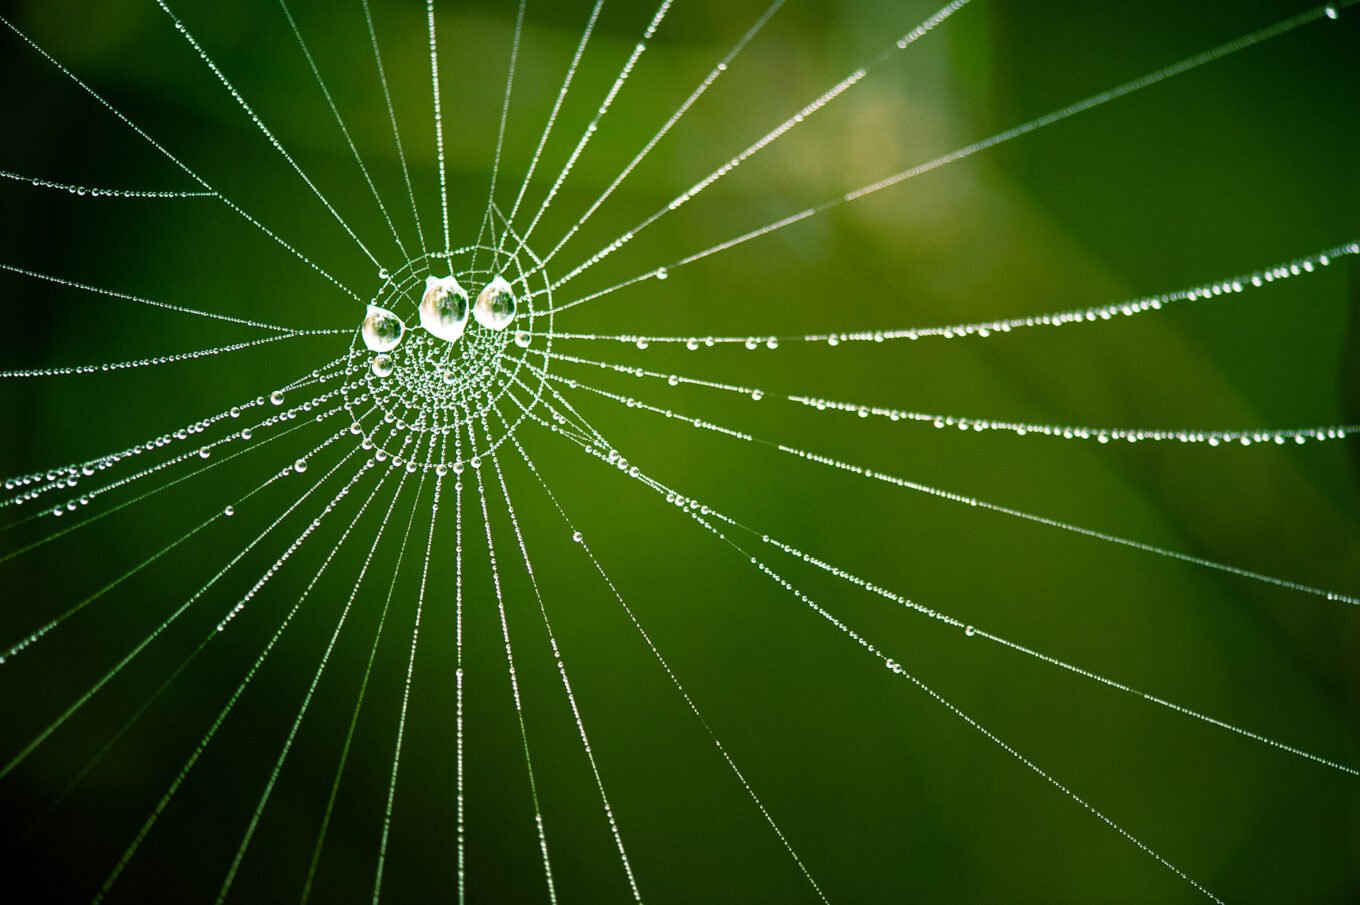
pixel 444 308
pixel 382 330
pixel 276 397
pixel 300 466
pixel 522 339
pixel 382 365
pixel 229 511
pixel 495 307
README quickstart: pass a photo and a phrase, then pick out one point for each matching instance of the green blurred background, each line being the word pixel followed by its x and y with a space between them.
pixel 884 793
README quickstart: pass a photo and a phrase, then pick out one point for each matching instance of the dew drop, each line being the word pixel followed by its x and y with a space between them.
pixel 495 307
pixel 662 273
pixel 300 466
pixel 522 339
pixel 246 433
pixel 1332 12
pixel 576 536
pixel 382 365
pixel 382 330
pixel 276 397
pixel 444 308
pixel 229 511
pixel 969 631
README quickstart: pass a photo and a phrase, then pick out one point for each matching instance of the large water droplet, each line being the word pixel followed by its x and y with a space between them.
pixel 444 308
pixel 382 329
pixel 495 307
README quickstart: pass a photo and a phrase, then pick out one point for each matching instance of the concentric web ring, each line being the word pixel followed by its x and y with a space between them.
pixel 438 391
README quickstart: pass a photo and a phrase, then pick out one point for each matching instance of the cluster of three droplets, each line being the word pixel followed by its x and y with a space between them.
pixel 444 310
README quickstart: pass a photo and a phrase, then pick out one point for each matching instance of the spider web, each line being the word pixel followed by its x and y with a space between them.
pixel 718 575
